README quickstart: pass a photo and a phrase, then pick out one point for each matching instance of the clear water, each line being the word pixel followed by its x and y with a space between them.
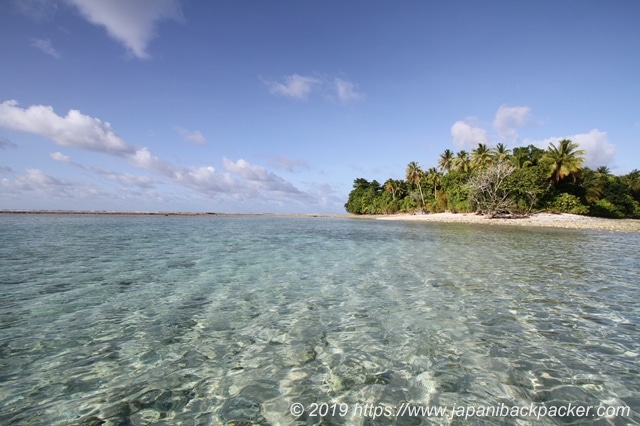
pixel 229 320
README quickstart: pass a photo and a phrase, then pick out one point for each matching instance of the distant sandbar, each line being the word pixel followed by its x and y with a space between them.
pixel 564 220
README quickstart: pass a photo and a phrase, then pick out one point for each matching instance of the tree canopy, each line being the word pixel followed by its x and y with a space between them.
pixel 500 181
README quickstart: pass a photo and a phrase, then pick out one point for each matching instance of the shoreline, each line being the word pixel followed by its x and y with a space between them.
pixel 546 220
pixel 543 220
pixel 187 214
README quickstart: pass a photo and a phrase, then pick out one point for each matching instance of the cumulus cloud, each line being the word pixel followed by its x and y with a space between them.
pixel 74 129
pixel 191 136
pixel 466 134
pixel 288 164
pixel 598 150
pixel 347 90
pixel 242 179
pixel 132 23
pixel 49 187
pixel 37 180
pixel 45 46
pixel 509 119
pixel 258 179
pixel 294 86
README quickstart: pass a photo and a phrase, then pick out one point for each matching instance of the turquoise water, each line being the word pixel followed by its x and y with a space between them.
pixel 229 320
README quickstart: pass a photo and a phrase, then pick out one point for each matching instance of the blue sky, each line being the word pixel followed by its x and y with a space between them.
pixel 277 106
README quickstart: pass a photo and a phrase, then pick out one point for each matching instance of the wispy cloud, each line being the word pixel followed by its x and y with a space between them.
pixel 300 87
pixel 294 86
pixel 347 91
pixel 58 156
pixel 193 136
pixel 132 23
pixel 288 164
pixel 44 44
pixel 38 10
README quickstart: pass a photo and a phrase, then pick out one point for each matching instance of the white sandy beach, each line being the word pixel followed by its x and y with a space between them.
pixel 570 221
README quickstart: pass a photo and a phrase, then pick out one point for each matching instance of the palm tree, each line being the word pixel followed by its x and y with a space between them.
pixel 603 170
pixel 632 181
pixel 566 160
pixel 521 160
pixel 414 175
pixel 593 184
pixel 394 187
pixel 446 160
pixel 500 152
pixel 480 157
pixel 462 162
pixel 434 178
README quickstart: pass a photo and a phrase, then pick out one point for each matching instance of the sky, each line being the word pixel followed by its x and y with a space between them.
pixel 278 106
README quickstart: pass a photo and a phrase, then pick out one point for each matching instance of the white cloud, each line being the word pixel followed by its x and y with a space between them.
pixel 45 46
pixel 347 91
pixel 58 156
pixel 300 87
pixel 258 180
pixel 128 180
pixel 288 164
pixel 242 180
pixel 294 86
pixel 49 188
pixel 36 180
pixel 508 119
pixel 75 129
pixel 191 136
pixel 130 22
pixel 598 150
pixel 467 135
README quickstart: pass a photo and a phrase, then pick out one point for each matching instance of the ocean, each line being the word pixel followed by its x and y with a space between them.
pixel 135 320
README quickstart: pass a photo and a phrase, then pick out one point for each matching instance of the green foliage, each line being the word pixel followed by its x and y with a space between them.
pixel 565 160
pixel 527 156
pixel 567 203
pixel 361 199
pixel 553 179
pixel 619 195
pixel 632 182
pixel 454 185
pixel 528 186
pixel 605 208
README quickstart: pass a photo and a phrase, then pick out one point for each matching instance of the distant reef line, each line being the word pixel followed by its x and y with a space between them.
pixel 160 213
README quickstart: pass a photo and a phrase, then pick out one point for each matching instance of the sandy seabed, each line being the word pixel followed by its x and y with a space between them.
pixel 564 220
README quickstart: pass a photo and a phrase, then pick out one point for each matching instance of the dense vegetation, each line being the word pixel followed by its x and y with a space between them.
pixel 500 181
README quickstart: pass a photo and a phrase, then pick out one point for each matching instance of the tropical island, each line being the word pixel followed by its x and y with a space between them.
pixel 500 183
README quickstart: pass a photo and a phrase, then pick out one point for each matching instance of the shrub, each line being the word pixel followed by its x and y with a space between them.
pixel 567 203
pixel 605 208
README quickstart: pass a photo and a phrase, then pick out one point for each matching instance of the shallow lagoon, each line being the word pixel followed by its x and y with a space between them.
pixel 214 320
